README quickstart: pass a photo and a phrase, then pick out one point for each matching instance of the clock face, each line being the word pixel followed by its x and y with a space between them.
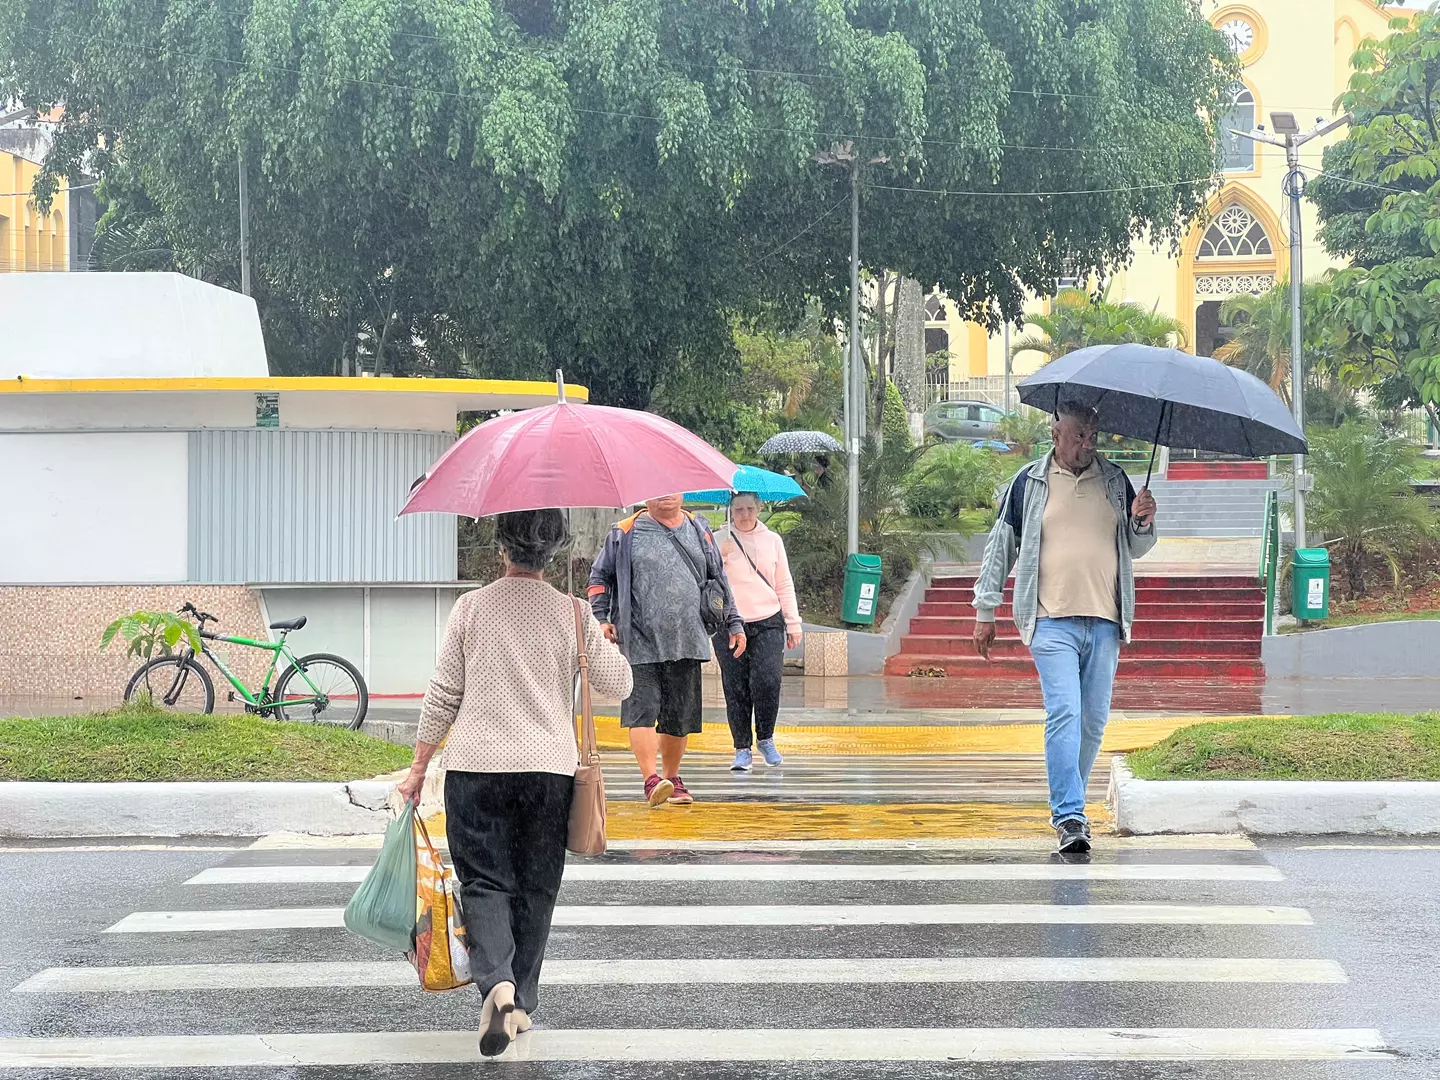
pixel 1240 34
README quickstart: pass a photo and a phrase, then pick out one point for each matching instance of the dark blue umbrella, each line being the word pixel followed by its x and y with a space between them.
pixel 1170 398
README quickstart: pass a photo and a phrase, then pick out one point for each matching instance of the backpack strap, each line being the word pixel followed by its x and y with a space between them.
pixel 1015 502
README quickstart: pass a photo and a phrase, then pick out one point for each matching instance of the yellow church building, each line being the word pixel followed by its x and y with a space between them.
pixel 29 240
pixel 1296 57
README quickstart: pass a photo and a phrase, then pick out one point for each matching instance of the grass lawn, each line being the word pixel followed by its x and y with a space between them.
pixel 1363 619
pixel 1344 746
pixel 141 743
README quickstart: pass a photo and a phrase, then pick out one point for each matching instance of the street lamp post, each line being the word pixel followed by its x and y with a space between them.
pixel 1288 135
pixel 845 156
pixel 244 224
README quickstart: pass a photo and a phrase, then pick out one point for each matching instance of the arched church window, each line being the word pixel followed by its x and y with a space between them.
pixel 1235 234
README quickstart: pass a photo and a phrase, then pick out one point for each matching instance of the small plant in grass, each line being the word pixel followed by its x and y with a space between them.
pixel 150 633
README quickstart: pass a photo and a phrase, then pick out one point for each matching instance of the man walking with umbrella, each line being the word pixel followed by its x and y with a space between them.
pixel 1070 525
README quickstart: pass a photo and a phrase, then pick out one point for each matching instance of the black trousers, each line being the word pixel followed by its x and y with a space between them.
pixel 507 835
pixel 752 681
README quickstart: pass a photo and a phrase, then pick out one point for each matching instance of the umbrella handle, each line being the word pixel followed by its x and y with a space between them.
pixel 1155 443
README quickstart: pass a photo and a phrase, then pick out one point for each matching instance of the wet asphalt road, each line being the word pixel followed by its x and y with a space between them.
pixel 1374 909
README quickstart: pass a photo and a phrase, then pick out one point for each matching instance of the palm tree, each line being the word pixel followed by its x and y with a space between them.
pixel 1261 344
pixel 1363 497
pixel 1077 320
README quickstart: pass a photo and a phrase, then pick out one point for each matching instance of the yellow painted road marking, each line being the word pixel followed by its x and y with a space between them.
pixel 1120 735
pixel 826 821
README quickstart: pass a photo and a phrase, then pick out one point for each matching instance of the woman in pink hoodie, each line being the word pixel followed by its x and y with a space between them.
pixel 759 574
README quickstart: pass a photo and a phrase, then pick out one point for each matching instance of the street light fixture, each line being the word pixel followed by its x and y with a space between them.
pixel 844 155
pixel 1288 135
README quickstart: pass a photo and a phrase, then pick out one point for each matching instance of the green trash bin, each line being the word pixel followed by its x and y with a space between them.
pixel 1310 584
pixel 862 589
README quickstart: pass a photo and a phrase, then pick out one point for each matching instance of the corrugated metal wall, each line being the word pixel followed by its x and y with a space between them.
pixel 281 505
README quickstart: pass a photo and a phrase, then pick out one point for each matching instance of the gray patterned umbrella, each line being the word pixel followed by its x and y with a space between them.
pixel 801 442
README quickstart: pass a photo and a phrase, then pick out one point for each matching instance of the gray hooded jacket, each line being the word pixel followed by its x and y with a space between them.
pixel 1002 553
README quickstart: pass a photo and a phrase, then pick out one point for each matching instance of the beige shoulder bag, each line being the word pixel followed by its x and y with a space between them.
pixel 587 808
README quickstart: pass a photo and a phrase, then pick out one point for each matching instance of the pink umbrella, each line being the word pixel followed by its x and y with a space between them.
pixel 566 455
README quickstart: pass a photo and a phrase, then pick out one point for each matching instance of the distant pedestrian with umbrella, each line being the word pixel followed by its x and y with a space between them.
pixel 1071 526
pixel 659 590
pixel 759 574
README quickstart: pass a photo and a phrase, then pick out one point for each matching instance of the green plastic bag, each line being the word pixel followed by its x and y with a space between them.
pixel 383 908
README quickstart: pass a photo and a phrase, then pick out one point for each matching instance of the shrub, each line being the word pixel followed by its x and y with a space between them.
pixel 1363 498
pixel 895 421
pixel 951 478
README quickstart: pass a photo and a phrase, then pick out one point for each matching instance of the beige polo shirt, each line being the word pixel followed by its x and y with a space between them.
pixel 1079 562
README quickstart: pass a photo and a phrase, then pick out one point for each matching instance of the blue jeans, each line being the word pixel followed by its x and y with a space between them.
pixel 1076 659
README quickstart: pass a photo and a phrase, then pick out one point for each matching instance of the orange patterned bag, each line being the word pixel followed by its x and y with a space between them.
pixel 441 958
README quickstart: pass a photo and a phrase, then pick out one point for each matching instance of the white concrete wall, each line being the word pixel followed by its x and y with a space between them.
pixel 93 507
pixel 1403 650
pixel 382 412
pixel 150 410
pixel 391 634
pixel 126 326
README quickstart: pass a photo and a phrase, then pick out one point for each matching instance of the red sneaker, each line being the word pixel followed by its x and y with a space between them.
pixel 681 796
pixel 657 790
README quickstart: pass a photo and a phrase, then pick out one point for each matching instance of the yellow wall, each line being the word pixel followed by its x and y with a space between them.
pixel 1300 63
pixel 29 241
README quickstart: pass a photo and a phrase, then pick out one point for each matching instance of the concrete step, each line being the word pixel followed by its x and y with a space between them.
pixel 1143 630
pixel 1189 611
pixel 964 593
pixel 975 667
pixel 1142 581
pixel 1180 649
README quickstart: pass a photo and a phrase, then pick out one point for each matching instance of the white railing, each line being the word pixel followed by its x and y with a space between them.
pixel 987 388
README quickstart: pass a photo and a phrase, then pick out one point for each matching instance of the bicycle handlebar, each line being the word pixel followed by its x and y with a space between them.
pixel 204 617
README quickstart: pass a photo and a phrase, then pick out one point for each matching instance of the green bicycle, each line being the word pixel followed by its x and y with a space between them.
pixel 318 689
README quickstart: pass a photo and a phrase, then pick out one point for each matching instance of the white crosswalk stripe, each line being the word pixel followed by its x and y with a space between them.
pixel 670 1045
pixel 783 872
pixel 107 980
pixel 221 959
pixel 302 918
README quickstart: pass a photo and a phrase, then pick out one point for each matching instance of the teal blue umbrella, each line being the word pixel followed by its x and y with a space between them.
pixel 769 486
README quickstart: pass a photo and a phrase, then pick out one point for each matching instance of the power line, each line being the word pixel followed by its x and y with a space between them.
pixel 72 187
pixel 1042 194
pixel 802 232
pixel 1359 183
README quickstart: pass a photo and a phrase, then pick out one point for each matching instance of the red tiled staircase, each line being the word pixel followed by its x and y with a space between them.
pixel 1186 627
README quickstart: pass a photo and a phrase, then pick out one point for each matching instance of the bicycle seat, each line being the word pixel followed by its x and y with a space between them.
pixel 289 624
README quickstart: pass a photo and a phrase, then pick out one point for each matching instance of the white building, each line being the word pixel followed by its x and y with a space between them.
pixel 147 458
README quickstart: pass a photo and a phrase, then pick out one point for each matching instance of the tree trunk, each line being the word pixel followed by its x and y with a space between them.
pixel 881 376
pixel 910 345
pixel 1356 568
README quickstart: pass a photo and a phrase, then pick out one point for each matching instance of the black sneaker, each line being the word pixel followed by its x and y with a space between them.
pixel 1073 835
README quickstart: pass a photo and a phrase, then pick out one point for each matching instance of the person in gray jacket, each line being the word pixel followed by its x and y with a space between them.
pixel 1070 525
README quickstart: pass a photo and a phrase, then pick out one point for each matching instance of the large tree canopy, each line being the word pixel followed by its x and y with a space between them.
pixel 506 186
pixel 1379 205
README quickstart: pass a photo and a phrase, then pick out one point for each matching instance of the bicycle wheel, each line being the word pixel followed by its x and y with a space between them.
pixel 173 684
pixel 342 699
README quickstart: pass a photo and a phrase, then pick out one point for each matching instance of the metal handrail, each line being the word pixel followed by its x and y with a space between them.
pixel 1269 572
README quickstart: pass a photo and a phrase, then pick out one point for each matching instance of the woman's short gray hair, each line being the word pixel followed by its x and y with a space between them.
pixel 745 495
pixel 531 537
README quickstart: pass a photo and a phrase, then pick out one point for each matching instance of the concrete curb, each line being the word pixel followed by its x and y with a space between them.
pixel 53 811
pixel 1272 807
